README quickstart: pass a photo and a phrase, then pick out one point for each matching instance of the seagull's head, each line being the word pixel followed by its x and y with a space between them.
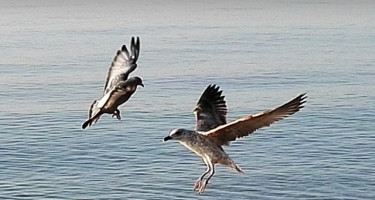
pixel 176 134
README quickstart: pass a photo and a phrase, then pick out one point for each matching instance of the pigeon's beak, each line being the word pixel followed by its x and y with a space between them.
pixel 167 138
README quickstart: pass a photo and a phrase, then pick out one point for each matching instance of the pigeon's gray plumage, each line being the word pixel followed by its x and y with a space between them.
pixel 118 88
pixel 211 110
pixel 208 144
pixel 122 65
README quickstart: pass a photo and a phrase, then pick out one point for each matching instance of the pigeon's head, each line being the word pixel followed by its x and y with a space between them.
pixel 176 134
pixel 136 81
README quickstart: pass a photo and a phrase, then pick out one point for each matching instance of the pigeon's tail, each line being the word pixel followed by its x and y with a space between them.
pixel 94 115
pixel 90 121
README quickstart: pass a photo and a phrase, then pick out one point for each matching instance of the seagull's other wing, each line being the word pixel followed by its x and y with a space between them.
pixel 222 135
pixel 211 109
pixel 122 65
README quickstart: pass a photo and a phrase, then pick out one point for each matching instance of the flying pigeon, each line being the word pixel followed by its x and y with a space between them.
pixel 118 88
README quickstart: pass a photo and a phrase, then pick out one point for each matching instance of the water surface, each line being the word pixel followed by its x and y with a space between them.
pixel 54 60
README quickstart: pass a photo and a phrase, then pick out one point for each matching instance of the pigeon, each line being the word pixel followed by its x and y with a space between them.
pixel 118 87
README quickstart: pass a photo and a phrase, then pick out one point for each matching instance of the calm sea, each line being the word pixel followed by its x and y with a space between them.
pixel 54 57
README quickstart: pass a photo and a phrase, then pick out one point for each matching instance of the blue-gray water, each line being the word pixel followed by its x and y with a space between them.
pixel 54 58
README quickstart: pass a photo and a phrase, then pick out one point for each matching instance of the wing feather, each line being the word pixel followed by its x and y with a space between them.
pixel 115 99
pixel 94 104
pixel 210 110
pixel 122 65
pixel 224 134
pixel 118 95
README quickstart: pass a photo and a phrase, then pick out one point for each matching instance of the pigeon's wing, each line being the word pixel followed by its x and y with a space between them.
pixel 118 95
pixel 91 109
pixel 224 134
pixel 94 115
pixel 122 65
pixel 210 110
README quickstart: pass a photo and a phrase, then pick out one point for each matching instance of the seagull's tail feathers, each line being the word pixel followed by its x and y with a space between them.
pixel 230 163
pixel 236 167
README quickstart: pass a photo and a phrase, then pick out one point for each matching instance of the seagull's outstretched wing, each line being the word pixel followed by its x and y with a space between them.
pixel 122 65
pixel 222 135
pixel 211 110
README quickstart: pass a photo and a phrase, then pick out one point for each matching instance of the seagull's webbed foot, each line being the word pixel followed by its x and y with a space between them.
pixel 203 184
pixel 197 184
pixel 202 187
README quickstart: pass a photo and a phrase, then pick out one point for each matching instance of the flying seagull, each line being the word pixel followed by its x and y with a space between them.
pixel 208 144
pixel 118 88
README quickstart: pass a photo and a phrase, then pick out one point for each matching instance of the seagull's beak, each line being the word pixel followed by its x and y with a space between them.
pixel 167 138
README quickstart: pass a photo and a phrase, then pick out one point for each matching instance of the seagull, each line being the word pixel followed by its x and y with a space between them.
pixel 118 88
pixel 208 144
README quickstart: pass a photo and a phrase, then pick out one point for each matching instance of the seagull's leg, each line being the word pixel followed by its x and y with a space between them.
pixel 198 183
pixel 212 172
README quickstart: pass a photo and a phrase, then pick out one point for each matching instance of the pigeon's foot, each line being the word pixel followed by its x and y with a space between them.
pixel 117 114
